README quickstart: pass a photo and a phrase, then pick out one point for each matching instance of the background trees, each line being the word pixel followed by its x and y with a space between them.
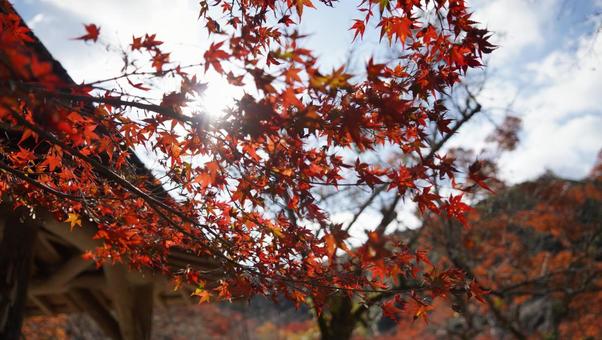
pixel 537 246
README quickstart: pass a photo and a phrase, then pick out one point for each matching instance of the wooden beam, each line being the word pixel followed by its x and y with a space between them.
pixel 51 237
pixel 46 251
pixel 202 262
pixel 81 237
pixel 90 281
pixel 132 301
pixel 158 301
pixel 45 308
pixel 68 271
pixel 186 295
pixel 102 298
pixel 86 301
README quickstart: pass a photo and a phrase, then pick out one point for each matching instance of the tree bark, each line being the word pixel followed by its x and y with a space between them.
pixel 16 253
pixel 339 322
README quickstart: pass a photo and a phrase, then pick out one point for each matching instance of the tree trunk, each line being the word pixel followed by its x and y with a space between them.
pixel 339 322
pixel 16 253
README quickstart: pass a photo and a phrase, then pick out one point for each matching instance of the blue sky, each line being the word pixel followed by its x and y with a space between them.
pixel 548 66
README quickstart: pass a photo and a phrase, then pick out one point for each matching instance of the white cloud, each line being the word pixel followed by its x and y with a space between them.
pixel 563 114
pixel 569 149
pixel 569 81
pixel 518 24
pixel 38 18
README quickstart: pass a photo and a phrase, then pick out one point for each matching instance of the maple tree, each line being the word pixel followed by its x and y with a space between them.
pixel 241 189
pixel 346 313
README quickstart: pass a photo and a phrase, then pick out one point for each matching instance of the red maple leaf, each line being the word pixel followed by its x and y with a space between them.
pixel 92 32
pixel 359 27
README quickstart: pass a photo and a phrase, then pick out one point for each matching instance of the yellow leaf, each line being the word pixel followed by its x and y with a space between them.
pixel 74 220
pixel 203 295
pixel 276 230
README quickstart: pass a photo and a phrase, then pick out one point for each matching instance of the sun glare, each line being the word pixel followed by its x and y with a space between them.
pixel 218 96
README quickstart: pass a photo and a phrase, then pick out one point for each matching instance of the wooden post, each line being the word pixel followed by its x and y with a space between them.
pixel 18 232
pixel 132 301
